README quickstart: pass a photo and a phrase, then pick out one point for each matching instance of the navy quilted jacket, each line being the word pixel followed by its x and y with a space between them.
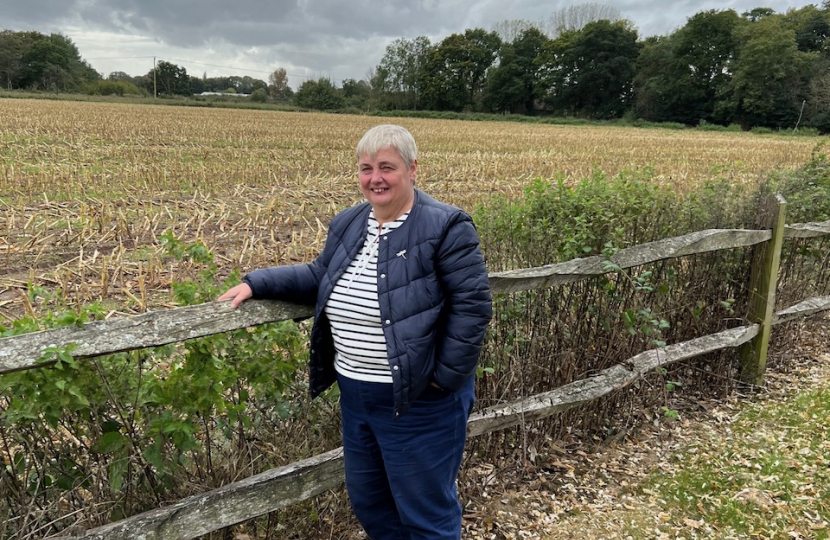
pixel 433 293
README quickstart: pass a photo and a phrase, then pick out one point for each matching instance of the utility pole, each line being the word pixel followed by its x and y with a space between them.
pixel 155 94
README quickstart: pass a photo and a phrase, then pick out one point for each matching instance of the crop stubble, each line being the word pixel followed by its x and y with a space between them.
pixel 87 189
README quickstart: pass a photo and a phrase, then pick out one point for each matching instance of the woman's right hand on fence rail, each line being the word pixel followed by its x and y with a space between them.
pixel 237 294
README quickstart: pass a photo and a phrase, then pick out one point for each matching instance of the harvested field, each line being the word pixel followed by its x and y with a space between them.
pixel 88 189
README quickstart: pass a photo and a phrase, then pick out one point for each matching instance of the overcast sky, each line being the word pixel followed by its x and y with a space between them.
pixel 309 38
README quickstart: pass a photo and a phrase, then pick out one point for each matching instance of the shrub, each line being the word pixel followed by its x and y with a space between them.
pixel 105 87
pixel 259 96
pixel 822 122
pixel 147 423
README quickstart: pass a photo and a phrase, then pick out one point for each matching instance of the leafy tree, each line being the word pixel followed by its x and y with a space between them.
pixel 356 93
pixel 653 82
pixel 817 106
pixel 249 85
pixel 320 94
pixel 516 83
pixel 119 76
pixel 812 28
pixel 767 87
pixel 13 45
pixel 697 69
pixel 756 14
pixel 704 51
pixel 240 85
pixel 108 87
pixel 278 85
pixel 170 79
pixel 813 35
pixel 197 85
pixel 259 95
pixel 505 91
pixel 454 75
pixel 380 98
pixel 52 63
pixel 591 71
pixel 218 84
pixel 398 76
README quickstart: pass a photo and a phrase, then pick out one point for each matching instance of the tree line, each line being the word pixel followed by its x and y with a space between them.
pixel 35 60
pixel 757 68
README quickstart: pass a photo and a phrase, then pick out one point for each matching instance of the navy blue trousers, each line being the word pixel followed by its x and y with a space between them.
pixel 401 474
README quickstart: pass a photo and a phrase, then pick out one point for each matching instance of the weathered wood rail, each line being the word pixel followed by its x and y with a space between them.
pixel 298 481
pixel 169 326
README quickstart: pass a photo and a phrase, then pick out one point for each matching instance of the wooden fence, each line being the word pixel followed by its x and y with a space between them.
pixel 283 486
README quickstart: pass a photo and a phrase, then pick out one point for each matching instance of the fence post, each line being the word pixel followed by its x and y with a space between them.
pixel 762 286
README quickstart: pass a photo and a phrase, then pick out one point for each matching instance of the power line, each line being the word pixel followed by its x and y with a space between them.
pixel 239 69
pixel 204 64
pixel 119 58
pixel 218 66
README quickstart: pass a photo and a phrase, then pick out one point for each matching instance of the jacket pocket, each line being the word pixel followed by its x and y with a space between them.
pixel 420 360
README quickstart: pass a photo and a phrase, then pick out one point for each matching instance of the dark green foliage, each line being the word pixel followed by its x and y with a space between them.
pixel 146 424
pixel 453 75
pixel 356 94
pixel 240 85
pixel 259 96
pixel 812 27
pixel 39 62
pixel 320 94
pixel 544 339
pixel 397 82
pixel 168 79
pixel 766 88
pixel 515 84
pixel 760 69
pixel 555 221
pixel 804 267
pixel 681 77
pixel 113 88
pixel 591 71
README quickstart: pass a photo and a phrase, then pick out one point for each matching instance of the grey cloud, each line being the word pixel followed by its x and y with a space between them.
pixel 249 22
pixel 334 38
pixel 31 15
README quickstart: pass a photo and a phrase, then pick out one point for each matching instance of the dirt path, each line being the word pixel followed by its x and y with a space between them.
pixel 606 494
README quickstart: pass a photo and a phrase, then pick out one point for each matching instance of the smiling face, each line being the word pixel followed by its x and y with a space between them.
pixel 387 183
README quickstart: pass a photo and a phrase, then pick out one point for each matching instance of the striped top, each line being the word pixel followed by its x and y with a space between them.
pixel 354 313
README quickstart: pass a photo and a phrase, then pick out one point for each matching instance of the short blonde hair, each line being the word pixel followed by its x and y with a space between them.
pixel 388 136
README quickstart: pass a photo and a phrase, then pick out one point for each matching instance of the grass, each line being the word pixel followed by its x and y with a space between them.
pixel 756 468
pixel 765 479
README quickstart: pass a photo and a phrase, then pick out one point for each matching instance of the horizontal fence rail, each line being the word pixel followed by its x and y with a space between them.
pixel 151 329
pixel 807 230
pixel 669 248
pixel 802 309
pixel 169 326
pixel 230 504
pixel 280 487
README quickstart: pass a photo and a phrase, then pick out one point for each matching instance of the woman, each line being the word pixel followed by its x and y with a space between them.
pixel 402 303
